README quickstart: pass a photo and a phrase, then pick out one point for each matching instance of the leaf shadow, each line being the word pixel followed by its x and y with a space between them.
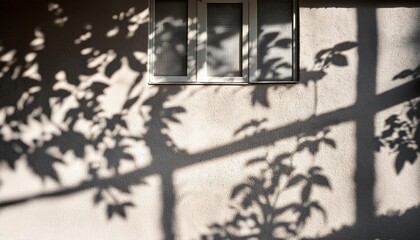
pixel 401 134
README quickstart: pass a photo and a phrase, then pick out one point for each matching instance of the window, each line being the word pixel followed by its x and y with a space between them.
pixel 222 41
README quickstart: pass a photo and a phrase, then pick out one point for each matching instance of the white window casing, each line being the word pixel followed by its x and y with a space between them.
pixel 190 77
pixel 255 69
pixel 252 59
pixel 202 42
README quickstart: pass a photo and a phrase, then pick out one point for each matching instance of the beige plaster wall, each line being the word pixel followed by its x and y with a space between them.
pixel 198 154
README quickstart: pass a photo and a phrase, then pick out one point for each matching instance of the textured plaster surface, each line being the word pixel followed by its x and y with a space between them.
pixel 212 115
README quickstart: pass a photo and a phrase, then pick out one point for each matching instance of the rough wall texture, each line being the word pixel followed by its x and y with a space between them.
pixel 88 150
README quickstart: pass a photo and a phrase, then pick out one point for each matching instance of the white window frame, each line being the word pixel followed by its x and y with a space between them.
pixel 197 45
pixel 202 76
pixel 253 25
pixel 191 48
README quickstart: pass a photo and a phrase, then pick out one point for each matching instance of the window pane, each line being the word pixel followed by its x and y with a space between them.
pixel 275 36
pixel 171 18
pixel 224 40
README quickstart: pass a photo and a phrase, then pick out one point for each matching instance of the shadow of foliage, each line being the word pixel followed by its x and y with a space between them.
pixel 35 90
pixel 258 210
pixel 92 49
pixel 256 202
pixel 402 131
pixel 324 59
pixel 271 67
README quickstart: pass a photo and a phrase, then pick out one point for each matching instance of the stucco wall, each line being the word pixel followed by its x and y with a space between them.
pixel 90 151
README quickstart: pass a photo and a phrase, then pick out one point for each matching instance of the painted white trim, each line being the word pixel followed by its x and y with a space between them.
pixel 202 76
pixel 197 45
pixel 191 48
pixel 295 42
pixel 253 39
pixel 150 43
pixel 201 41
pixel 253 69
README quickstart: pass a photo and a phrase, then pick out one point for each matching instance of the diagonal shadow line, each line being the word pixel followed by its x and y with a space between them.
pixel 382 101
